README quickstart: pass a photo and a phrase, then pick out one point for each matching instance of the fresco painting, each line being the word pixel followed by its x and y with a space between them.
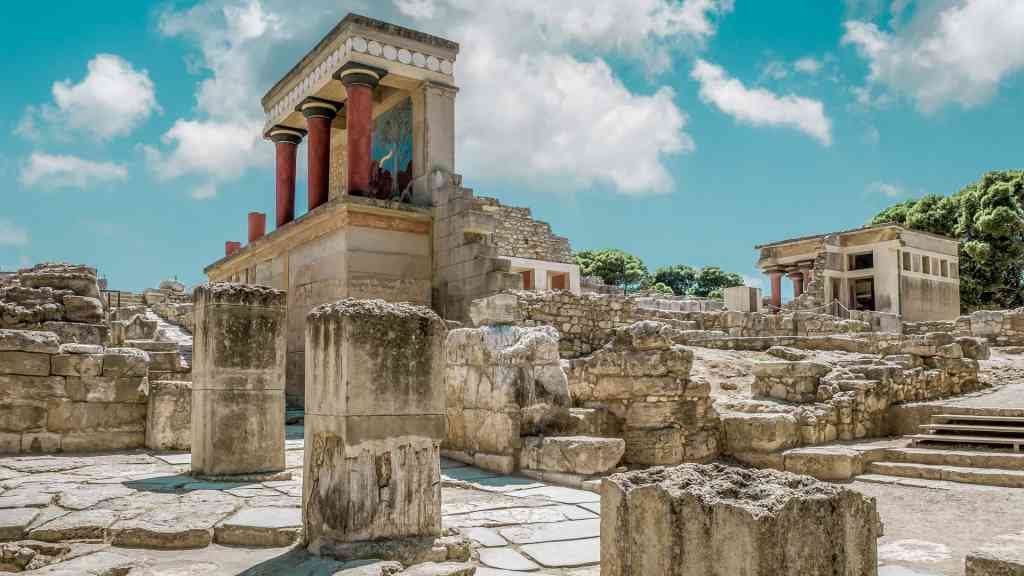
pixel 391 171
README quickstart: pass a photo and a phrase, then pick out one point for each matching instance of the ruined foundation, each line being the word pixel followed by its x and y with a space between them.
pixel 375 418
pixel 238 380
pixel 713 520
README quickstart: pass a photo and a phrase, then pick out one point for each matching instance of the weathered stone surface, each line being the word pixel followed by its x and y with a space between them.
pixel 832 463
pixel 79 333
pixel 787 353
pixel 742 432
pixel 77 364
pixel 73 348
pixel 1003 556
pixel 441 569
pixel 273 526
pixel 120 362
pixel 24 363
pixel 15 521
pixel 369 568
pixel 716 521
pixel 574 454
pixel 80 525
pixel 169 416
pixel 238 380
pixel 83 309
pixel 506 559
pixel 172 527
pixel 130 389
pixel 408 551
pixel 372 467
pixel 566 554
pixel 29 341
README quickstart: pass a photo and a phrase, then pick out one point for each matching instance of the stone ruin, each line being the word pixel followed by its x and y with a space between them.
pixel 712 520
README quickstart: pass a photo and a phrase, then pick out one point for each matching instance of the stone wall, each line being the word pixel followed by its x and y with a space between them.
pixel 69 397
pixel 179 314
pixel 998 327
pixel 517 234
pixel 643 381
pixel 503 383
pixel 55 297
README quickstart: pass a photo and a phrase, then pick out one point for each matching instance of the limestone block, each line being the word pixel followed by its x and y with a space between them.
pixel 130 389
pixel 103 441
pixel 140 328
pixel 76 364
pixel 22 418
pixel 40 443
pixel 655 447
pixel 974 348
pixel 64 416
pixel 1003 556
pixel 768 432
pixel 167 362
pixel 169 416
pixel 29 341
pixel 713 520
pixel 584 455
pixel 83 309
pixel 496 310
pixel 238 379
pixel 24 363
pixel 375 418
pixel 831 463
pixel 644 335
pixel 79 333
pixel 787 353
pixel 30 390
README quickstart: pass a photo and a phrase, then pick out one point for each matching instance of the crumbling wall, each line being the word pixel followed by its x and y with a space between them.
pixel 998 327
pixel 179 314
pixel 503 383
pixel 517 234
pixel 643 380
pixel 69 397
pixel 54 297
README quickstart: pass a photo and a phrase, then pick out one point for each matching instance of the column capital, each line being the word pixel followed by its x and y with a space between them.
pixel 278 134
pixel 319 108
pixel 354 73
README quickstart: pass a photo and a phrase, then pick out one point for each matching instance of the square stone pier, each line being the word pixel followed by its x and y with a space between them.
pixel 238 380
pixel 375 419
pixel 714 520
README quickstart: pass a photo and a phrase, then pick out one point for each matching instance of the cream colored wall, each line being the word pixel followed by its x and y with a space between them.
pixel 540 272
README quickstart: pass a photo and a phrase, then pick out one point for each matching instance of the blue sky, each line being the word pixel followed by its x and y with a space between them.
pixel 685 131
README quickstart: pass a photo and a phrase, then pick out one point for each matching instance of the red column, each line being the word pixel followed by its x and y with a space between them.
pixel 776 281
pixel 798 283
pixel 257 226
pixel 286 140
pixel 230 247
pixel 359 82
pixel 319 114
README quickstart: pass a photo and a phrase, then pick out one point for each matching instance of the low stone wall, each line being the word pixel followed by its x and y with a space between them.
pixel 178 314
pixel 643 380
pixel 998 327
pixel 54 297
pixel 70 397
pixel 503 383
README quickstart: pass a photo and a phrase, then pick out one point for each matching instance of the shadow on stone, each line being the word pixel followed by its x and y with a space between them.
pixel 181 484
pixel 299 562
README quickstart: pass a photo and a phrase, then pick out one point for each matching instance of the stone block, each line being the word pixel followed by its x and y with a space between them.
pixel 655 447
pixel 166 362
pixel 22 418
pixel 24 363
pixel 35 390
pixel 713 520
pixel 496 310
pixel 40 443
pixel 830 463
pixel 83 309
pixel 238 380
pixel 169 416
pixel 130 389
pixel 375 418
pixel 585 455
pixel 118 362
pixel 76 364
pixel 1003 556
pixel 103 441
pixel 29 341
pixel 743 432
pixel 65 416
pixel 78 333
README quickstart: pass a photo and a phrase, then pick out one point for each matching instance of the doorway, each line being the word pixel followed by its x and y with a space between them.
pixel 862 294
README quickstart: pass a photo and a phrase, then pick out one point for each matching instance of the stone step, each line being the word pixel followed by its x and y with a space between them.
pixel 962 474
pixel 981 429
pixel 980 418
pixel 945 457
pixel 1015 443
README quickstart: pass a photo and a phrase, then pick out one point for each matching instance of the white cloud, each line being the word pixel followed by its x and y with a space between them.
pixel 112 100
pixel 64 171
pixel 808 65
pixel 956 52
pixel 760 107
pixel 11 234
pixel 775 69
pixel 416 9
pixel 204 191
pixel 887 189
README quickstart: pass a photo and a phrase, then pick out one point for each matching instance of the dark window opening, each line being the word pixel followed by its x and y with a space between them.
pixel 862 294
pixel 862 261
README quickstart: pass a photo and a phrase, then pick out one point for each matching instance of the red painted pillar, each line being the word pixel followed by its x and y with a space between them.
pixel 776 281
pixel 286 140
pixel 798 283
pixel 319 114
pixel 230 247
pixel 257 226
pixel 359 82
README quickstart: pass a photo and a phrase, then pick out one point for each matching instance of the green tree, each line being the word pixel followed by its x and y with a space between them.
pixel 680 278
pixel 615 267
pixel 711 280
pixel 987 217
pixel 662 288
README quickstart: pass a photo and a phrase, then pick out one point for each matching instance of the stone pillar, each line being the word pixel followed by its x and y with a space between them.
pixel 230 247
pixel 238 379
pixel 776 281
pixel 319 114
pixel 360 81
pixel 713 520
pixel 257 226
pixel 807 274
pixel 286 141
pixel 433 135
pixel 375 419
pixel 798 282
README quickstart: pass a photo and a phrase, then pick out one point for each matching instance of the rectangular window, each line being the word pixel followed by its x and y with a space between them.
pixel 954 270
pixel 917 262
pixel 527 279
pixel 862 261
pixel 926 265
pixel 906 261
pixel 945 268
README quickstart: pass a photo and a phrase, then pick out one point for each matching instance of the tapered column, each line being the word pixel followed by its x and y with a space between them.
pixel 776 281
pixel 798 282
pixel 286 140
pixel 319 114
pixel 257 226
pixel 359 81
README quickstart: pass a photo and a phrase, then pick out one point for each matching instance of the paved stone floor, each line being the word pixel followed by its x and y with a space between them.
pixel 140 510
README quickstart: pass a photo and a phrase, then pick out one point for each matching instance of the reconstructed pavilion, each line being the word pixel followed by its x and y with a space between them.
pixel 388 217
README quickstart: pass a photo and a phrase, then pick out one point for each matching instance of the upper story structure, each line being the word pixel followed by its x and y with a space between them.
pixel 884 268
pixel 388 216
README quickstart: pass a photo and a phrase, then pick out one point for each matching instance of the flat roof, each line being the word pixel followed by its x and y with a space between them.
pixel 359 19
pixel 852 230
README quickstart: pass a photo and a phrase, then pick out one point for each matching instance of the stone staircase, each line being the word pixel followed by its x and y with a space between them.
pixel 970 448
